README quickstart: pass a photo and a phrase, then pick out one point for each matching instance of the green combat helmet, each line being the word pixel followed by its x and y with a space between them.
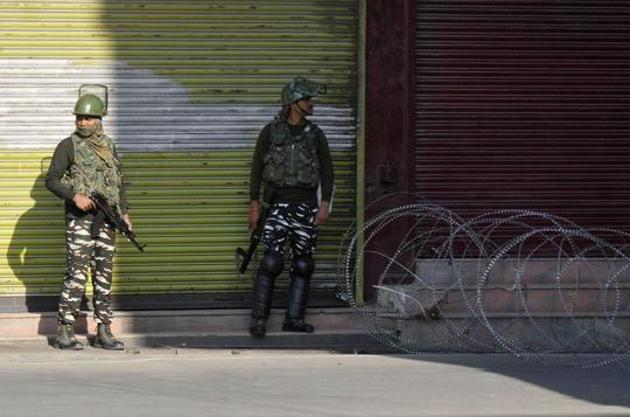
pixel 299 88
pixel 90 104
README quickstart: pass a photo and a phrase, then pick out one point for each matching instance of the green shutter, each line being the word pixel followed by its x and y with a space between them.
pixel 191 85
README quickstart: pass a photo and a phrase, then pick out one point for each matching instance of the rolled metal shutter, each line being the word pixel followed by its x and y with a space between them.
pixel 191 85
pixel 524 104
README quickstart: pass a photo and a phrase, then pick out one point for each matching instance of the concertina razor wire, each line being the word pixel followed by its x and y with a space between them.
pixel 509 281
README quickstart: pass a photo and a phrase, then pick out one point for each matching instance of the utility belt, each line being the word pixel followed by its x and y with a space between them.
pixel 293 195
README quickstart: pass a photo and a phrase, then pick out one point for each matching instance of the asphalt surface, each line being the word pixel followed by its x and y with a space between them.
pixel 37 380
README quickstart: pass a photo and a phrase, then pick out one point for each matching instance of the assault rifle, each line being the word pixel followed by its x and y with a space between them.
pixel 104 212
pixel 242 257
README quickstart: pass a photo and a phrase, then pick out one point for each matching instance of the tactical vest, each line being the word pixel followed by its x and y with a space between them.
pixel 89 172
pixel 292 159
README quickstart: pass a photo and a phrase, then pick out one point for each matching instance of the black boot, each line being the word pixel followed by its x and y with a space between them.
pixel 258 327
pixel 263 290
pixel 298 297
pixel 270 267
pixel 65 338
pixel 105 339
pixel 297 325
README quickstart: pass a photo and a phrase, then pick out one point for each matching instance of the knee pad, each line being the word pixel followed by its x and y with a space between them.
pixel 303 266
pixel 272 263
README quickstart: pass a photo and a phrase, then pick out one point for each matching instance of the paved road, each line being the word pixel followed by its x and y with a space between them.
pixel 191 382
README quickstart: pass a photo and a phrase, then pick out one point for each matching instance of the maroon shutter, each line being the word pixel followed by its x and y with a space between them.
pixel 524 104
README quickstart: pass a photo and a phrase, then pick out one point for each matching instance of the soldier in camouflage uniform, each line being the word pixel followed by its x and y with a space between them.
pixel 292 159
pixel 87 160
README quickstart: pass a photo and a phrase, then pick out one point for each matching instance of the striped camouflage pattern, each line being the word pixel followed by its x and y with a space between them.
pixel 84 253
pixel 294 221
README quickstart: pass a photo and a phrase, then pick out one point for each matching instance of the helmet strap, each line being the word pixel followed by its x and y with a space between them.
pixel 305 112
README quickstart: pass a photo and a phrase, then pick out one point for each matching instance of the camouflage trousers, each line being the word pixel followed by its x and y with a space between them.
pixel 84 253
pixel 292 222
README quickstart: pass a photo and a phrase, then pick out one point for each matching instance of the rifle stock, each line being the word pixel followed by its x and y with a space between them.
pixel 243 257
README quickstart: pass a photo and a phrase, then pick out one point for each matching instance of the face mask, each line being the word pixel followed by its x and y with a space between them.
pixel 85 132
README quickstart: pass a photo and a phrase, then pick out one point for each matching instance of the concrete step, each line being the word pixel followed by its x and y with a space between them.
pixel 442 273
pixel 335 328
pixel 508 334
pixel 536 299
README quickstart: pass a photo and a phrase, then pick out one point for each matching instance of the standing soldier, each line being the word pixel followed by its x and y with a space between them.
pixel 86 161
pixel 292 159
